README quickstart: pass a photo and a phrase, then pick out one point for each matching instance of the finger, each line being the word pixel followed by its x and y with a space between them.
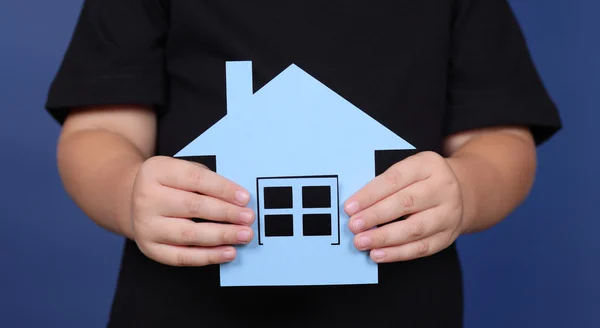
pixel 183 204
pixel 415 198
pixel 184 232
pixel 397 177
pixel 182 256
pixel 413 250
pixel 415 227
pixel 195 177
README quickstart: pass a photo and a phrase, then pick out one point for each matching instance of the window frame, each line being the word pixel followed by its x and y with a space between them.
pixel 297 209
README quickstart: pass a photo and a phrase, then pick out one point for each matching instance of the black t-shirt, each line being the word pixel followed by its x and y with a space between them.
pixel 425 69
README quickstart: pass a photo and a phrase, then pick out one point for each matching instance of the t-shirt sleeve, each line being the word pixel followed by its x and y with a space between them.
pixel 493 81
pixel 115 56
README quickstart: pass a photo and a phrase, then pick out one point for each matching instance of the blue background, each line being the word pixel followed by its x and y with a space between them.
pixel 539 268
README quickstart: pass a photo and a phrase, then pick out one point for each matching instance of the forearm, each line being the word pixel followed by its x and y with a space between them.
pixel 98 169
pixel 496 172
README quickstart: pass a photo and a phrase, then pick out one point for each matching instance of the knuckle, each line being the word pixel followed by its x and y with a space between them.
pixel 408 201
pixel 213 258
pixel 192 206
pixel 182 259
pixel 229 213
pixel 142 198
pixel 150 252
pixel 382 239
pixel 232 214
pixel 433 159
pixel 431 155
pixel 195 175
pixel 154 163
pixel 226 236
pixel 189 236
pixel 223 191
pixel 422 248
pixel 370 198
pixel 392 176
pixel 144 248
pixel 141 187
pixel 373 218
pixel 417 229
pixel 200 165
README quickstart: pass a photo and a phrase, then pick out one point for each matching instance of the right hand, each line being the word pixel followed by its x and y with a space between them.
pixel 167 193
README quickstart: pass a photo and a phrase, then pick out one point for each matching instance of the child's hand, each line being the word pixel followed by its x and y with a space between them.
pixel 422 186
pixel 167 193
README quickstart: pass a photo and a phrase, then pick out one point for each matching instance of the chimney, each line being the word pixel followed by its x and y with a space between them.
pixel 239 85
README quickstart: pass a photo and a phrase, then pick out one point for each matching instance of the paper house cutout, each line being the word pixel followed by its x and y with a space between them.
pixel 301 150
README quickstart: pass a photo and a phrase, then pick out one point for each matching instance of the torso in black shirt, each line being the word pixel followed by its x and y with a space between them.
pixel 425 69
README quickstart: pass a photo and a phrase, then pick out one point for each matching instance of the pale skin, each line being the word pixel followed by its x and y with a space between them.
pixel 105 158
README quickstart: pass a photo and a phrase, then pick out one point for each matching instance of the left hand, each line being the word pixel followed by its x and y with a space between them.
pixel 422 186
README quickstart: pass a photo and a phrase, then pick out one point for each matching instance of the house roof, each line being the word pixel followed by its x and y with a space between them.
pixel 292 110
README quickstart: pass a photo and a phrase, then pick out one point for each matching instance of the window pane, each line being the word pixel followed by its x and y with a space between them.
pixel 278 197
pixel 316 197
pixel 279 225
pixel 316 224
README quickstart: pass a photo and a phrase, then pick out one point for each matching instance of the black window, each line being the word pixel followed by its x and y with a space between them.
pixel 316 224
pixel 316 197
pixel 279 225
pixel 278 197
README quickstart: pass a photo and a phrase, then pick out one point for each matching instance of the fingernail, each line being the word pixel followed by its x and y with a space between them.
pixel 378 254
pixel 359 224
pixel 228 255
pixel 364 241
pixel 352 207
pixel 246 217
pixel 241 196
pixel 243 235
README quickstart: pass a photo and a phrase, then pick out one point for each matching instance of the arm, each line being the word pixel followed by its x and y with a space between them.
pixel 495 169
pixel 99 153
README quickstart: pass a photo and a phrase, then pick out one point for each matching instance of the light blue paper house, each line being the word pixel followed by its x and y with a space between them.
pixel 301 150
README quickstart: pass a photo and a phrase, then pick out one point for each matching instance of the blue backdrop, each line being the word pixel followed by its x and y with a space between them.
pixel 539 268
